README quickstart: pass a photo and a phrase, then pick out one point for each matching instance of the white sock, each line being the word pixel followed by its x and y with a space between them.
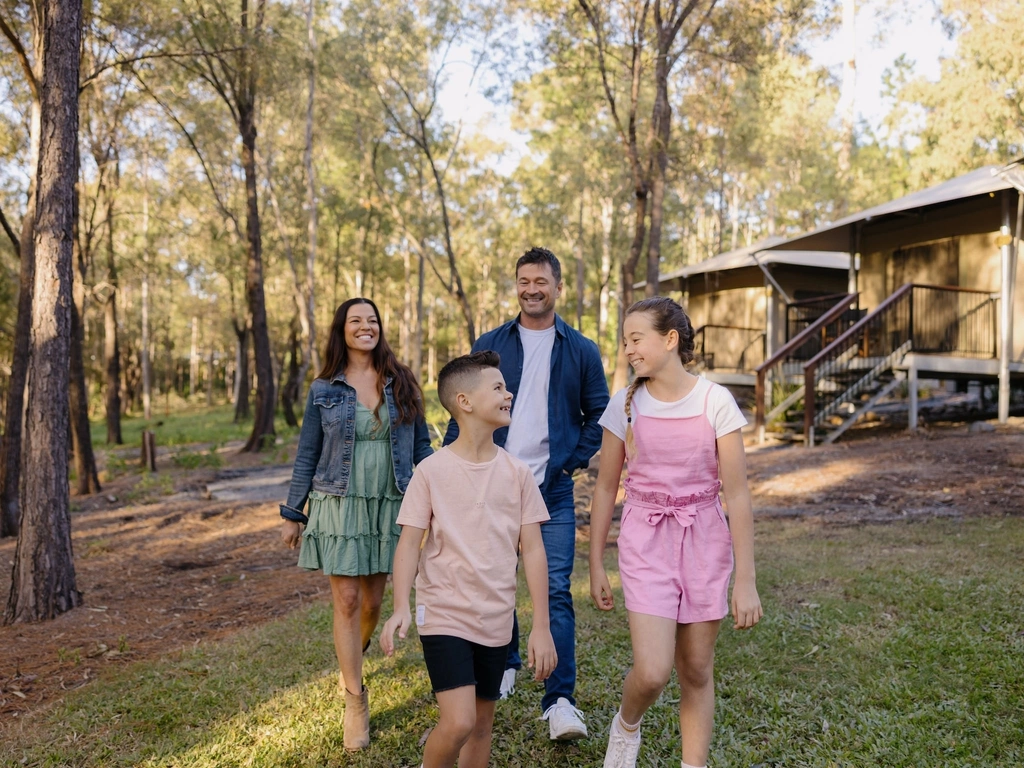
pixel 628 728
pixel 687 765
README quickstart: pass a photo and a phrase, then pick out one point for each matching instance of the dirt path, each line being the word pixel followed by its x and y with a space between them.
pixel 195 556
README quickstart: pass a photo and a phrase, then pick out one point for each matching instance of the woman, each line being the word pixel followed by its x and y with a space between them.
pixel 362 432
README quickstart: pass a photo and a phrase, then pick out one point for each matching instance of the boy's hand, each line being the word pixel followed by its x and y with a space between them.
pixel 400 620
pixel 601 589
pixel 291 533
pixel 746 605
pixel 540 654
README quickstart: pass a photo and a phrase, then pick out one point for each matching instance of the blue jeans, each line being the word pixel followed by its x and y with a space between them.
pixel 559 534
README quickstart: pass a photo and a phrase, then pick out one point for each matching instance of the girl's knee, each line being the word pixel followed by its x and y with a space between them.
pixel 650 677
pixel 457 726
pixel 695 676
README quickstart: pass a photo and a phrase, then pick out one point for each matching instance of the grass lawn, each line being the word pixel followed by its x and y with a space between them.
pixel 897 645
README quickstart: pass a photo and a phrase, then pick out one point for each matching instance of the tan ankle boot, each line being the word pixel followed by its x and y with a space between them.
pixel 357 720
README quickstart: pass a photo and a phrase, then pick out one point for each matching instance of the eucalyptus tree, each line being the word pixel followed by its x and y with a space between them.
pixel 43 581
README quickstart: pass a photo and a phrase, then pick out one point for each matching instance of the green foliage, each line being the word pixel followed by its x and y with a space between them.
pixel 883 645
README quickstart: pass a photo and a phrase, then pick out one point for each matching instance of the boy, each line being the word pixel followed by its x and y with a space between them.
pixel 478 506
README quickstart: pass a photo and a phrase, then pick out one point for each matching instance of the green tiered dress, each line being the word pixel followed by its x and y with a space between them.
pixel 356 534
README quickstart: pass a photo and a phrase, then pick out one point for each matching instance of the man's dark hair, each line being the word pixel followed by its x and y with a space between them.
pixel 541 256
pixel 460 374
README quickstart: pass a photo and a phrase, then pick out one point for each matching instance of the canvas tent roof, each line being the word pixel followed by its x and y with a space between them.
pixel 837 236
pixel 745 257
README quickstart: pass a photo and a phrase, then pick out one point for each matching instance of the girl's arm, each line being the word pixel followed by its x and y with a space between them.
pixel 407 558
pixel 541 656
pixel 732 469
pixel 613 454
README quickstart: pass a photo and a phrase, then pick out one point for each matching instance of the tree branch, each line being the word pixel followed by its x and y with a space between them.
pixel 19 51
pixel 10 233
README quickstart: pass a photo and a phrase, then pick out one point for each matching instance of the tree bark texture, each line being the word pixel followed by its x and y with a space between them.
pixel 111 351
pixel 242 411
pixel 263 424
pixel 290 390
pixel 87 478
pixel 10 443
pixel 43 578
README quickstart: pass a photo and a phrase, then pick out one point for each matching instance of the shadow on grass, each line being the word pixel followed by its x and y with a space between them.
pixel 882 645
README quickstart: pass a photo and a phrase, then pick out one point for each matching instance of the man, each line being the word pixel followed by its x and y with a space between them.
pixel 560 393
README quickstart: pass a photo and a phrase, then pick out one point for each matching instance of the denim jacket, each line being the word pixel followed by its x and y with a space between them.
pixel 577 394
pixel 324 456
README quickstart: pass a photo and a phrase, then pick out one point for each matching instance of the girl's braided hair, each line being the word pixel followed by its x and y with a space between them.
pixel 666 315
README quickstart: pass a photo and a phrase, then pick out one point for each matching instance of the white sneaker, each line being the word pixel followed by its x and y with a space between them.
pixel 508 683
pixel 623 746
pixel 565 721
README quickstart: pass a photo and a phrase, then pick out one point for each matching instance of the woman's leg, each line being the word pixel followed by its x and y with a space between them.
pixel 654 641
pixel 695 665
pixel 455 726
pixel 373 594
pixel 347 598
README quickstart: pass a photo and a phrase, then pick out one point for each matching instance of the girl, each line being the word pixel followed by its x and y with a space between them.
pixel 362 432
pixel 680 438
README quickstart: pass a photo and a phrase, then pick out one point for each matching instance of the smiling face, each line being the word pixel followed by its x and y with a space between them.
pixel 362 329
pixel 537 292
pixel 647 350
pixel 488 400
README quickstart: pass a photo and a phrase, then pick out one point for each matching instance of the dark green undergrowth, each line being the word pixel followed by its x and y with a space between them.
pixel 896 645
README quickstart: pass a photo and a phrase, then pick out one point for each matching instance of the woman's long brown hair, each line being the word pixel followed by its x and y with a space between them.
pixel 408 396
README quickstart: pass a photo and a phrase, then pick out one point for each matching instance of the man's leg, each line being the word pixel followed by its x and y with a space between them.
pixel 559 534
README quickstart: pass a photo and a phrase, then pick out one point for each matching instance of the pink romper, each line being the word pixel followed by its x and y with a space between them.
pixel 675 551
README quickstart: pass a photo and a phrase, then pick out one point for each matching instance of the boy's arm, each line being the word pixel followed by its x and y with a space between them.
pixel 407 557
pixel 541 656
pixel 602 506
pixel 732 469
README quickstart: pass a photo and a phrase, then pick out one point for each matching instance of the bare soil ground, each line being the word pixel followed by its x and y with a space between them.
pixel 164 566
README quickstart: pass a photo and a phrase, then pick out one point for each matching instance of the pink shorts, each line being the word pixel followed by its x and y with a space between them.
pixel 674 571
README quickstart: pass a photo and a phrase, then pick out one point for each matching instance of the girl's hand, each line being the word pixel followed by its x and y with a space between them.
pixel 540 654
pixel 601 589
pixel 400 620
pixel 291 533
pixel 746 605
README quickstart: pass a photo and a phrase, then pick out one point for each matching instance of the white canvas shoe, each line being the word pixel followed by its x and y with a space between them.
pixel 565 722
pixel 508 683
pixel 623 746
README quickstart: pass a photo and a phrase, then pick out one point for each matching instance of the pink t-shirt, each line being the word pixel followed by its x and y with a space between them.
pixel 466 584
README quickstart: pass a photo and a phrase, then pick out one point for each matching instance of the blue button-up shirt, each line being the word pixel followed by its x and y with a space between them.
pixel 577 394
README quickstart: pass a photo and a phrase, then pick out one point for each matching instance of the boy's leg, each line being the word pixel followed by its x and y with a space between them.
pixel 454 727
pixel 654 650
pixel 477 751
pixel 695 665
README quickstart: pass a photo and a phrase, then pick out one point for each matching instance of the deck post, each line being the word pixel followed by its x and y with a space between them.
pixel 912 394
pixel 1005 310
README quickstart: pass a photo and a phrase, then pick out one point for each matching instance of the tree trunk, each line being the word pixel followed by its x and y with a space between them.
pixel 10 443
pixel 417 337
pixel 263 424
pixel 144 352
pixel 312 356
pixel 43 578
pixel 85 460
pixel 621 374
pixel 661 118
pixel 290 390
pixel 242 412
pixel 111 351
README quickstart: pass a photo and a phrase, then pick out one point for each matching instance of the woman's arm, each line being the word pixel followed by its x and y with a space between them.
pixel 732 469
pixel 613 455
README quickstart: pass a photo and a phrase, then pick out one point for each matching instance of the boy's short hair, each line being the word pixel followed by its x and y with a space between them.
pixel 460 374
pixel 541 256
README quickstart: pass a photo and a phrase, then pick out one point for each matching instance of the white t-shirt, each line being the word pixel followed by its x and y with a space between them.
pixel 723 414
pixel 528 438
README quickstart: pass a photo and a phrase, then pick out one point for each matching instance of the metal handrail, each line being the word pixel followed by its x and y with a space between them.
pixel 842 305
